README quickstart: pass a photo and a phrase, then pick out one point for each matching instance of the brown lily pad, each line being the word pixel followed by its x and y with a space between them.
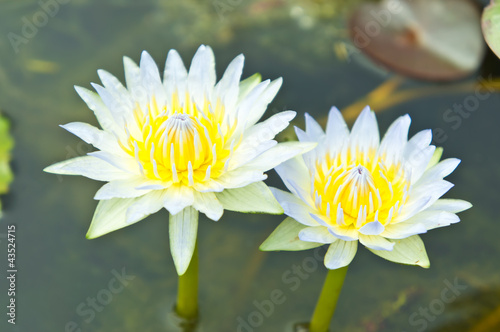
pixel 437 40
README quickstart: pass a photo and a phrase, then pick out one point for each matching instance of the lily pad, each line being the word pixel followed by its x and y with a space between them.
pixel 6 145
pixel 437 40
pixel 491 26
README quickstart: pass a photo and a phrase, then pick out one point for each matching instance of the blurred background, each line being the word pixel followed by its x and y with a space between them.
pixel 422 57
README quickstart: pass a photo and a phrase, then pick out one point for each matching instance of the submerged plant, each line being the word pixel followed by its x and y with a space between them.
pixel 183 143
pixel 354 187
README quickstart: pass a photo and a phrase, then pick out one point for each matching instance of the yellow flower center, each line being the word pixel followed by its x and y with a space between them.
pixel 352 190
pixel 187 143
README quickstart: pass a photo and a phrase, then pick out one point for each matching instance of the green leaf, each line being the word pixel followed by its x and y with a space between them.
pixel 6 145
pixel 410 251
pixel 183 229
pixel 248 84
pixel 436 157
pixel 254 198
pixel 490 23
pixel 286 237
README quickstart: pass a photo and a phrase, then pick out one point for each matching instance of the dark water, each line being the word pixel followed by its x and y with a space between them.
pixel 59 270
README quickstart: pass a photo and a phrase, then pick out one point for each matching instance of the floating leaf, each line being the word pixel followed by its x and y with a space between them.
pixel 491 26
pixel 438 40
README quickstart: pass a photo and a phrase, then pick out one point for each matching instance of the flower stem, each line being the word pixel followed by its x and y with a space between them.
pixel 187 295
pixel 327 301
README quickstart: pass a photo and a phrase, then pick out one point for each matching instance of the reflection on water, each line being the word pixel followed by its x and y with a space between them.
pixel 61 270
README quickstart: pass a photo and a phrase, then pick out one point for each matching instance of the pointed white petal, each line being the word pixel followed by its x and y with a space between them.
pixel 248 85
pixel 435 157
pixel 175 75
pixel 345 234
pixel 255 197
pixel 102 140
pixel 122 189
pixel 286 237
pixel 208 204
pixel 409 251
pixel 278 154
pixel 295 170
pixel 364 134
pixel 125 163
pixel 336 129
pixel 90 167
pixel 254 105
pixel 145 205
pixel 313 129
pixel 178 197
pixel 183 229
pixel 102 113
pixel 340 254
pixel 376 242
pixel 317 234
pixel 295 207
pixel 439 171
pixel 151 80
pixel 201 76
pixel 395 139
pixel 450 205
pixel 429 219
pixel 227 89
pixel 372 228
pixel 109 216
pixel 404 229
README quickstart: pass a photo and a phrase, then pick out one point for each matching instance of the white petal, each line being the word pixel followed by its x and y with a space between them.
pixel 248 85
pixel 372 228
pixel 286 237
pixel 255 197
pixel 278 154
pixel 439 171
pixel 125 163
pixel 208 204
pixel 295 207
pixel 422 196
pixel 116 90
pixel 317 234
pixel 90 167
pixel 364 134
pixel 313 129
pixel 345 234
pixel 175 75
pixel 432 219
pixel 336 129
pixel 133 80
pixel 109 216
pixel 151 80
pixel 404 229
pixel 394 141
pixel 450 205
pixel 417 153
pixel 102 140
pixel 102 113
pixel 435 157
pixel 340 254
pixel 409 251
pixel 201 77
pixel 254 105
pixel 177 198
pixel 376 242
pixel 258 138
pixel 227 89
pixel 295 170
pixel 121 189
pixel 241 177
pixel 183 231
pixel 148 204
pixel 114 105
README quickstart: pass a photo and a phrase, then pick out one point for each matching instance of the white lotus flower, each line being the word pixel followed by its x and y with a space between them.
pixel 185 144
pixel 353 187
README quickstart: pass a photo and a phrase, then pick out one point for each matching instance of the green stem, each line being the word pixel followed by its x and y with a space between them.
pixel 187 295
pixel 327 301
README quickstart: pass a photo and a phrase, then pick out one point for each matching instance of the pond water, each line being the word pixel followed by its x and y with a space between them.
pixel 59 271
